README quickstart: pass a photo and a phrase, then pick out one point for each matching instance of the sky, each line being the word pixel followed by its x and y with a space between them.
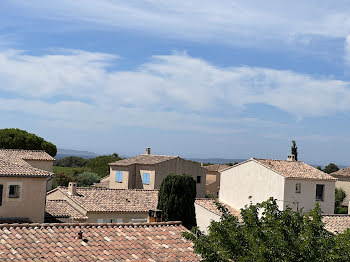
pixel 197 78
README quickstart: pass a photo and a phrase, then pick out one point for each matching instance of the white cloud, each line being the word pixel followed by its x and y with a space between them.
pixel 176 92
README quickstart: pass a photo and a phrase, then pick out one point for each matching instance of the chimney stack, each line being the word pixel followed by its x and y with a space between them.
pixel 72 188
pixel 202 164
pixel 148 150
pixel 154 215
pixel 291 158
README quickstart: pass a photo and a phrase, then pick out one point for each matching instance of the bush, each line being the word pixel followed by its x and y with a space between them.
pixel 99 165
pixel 86 179
pixel 71 161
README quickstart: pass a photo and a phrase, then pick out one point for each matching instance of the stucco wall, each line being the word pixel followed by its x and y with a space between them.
pixel 180 166
pixel 127 217
pixel 204 217
pixel 250 179
pixel 30 204
pixel 46 165
pixel 344 183
pixel 126 177
pixel 212 186
pixel 140 169
pixel 307 197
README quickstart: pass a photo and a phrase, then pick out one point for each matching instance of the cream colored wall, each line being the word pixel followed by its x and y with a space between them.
pixel 58 195
pixel 180 166
pixel 250 179
pixel 31 203
pixel 46 165
pixel 204 217
pixel 140 169
pixel 344 183
pixel 126 176
pixel 307 198
pixel 92 217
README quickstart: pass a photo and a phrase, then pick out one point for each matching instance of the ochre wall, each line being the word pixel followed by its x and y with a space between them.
pixel 92 217
pixel 41 164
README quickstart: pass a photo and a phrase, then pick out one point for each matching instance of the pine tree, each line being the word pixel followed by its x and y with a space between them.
pixel 294 150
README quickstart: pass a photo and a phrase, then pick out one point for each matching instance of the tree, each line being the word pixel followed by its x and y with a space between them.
pixel 176 198
pixel 13 138
pixel 294 150
pixel 86 179
pixel 71 161
pixel 99 165
pixel 330 168
pixel 268 234
pixel 340 195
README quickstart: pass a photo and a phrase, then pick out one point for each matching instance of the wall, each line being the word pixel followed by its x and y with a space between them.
pixel 307 197
pixel 31 203
pixel 140 169
pixel 92 217
pixel 46 165
pixel 204 217
pixel 180 166
pixel 212 186
pixel 250 179
pixel 344 183
pixel 126 177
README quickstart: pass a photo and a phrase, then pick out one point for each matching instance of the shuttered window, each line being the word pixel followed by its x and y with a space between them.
pixel 145 178
pixel 119 176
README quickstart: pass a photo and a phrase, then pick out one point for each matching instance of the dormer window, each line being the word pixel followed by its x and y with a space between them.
pixel 119 176
pixel 145 178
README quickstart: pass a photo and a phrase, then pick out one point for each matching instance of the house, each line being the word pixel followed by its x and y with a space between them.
pixel 147 171
pixel 162 241
pixel 343 181
pixel 294 184
pixel 99 205
pixel 22 192
pixel 206 211
pixel 212 185
pixel 336 223
pixel 32 158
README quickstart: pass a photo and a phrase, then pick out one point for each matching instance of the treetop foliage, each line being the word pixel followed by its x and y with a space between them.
pixel 13 138
pixel 273 235
pixel 294 150
pixel 330 168
pixel 71 161
pixel 176 198
pixel 99 165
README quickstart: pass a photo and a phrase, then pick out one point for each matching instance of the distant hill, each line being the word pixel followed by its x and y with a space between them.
pixel 62 153
pixel 216 160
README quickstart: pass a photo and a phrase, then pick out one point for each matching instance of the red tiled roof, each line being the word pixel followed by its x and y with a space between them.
pixel 210 205
pixel 216 167
pixel 11 169
pixel 143 159
pixel 62 209
pixel 114 200
pixel 107 242
pixel 14 154
pixel 294 169
pixel 345 172
pixel 336 223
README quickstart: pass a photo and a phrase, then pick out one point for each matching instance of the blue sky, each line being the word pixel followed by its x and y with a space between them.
pixel 227 79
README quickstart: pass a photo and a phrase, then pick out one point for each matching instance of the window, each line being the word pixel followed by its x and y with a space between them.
pixel 198 179
pixel 319 192
pixel 119 176
pixel 297 188
pixel 139 220
pixel 145 178
pixel 100 220
pixel 110 220
pixel 14 191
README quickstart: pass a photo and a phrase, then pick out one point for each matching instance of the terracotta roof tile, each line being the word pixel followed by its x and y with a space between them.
pixel 210 205
pixel 100 242
pixel 13 154
pixel 294 169
pixel 216 167
pixel 61 209
pixel 342 172
pixel 11 169
pixel 143 159
pixel 114 200
pixel 336 223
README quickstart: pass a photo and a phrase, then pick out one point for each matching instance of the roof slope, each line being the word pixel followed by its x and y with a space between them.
pixel 336 223
pixel 342 172
pixel 107 242
pixel 294 169
pixel 62 209
pixel 216 167
pixel 11 169
pixel 12 154
pixel 114 200
pixel 143 159
pixel 210 205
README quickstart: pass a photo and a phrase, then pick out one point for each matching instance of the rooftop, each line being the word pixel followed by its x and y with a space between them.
pixel 151 242
pixel 113 200
pixel 20 154
pixel 294 169
pixel 62 210
pixel 342 172
pixel 336 223
pixel 210 205
pixel 8 168
pixel 143 159
pixel 216 167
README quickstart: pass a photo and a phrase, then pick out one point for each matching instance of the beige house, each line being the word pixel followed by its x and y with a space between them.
pixel 293 183
pixel 343 182
pixel 99 205
pixel 147 171
pixel 22 192
pixel 212 185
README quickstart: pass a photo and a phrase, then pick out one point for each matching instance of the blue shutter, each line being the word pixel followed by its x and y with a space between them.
pixel 119 176
pixel 145 178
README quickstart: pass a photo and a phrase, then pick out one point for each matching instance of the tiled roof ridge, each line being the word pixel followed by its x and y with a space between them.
pixel 30 150
pixel 110 189
pixel 335 215
pixel 28 167
pixel 271 159
pixel 158 155
pixel 89 225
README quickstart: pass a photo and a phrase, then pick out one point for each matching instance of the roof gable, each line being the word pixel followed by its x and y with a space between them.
pixel 345 172
pixel 11 169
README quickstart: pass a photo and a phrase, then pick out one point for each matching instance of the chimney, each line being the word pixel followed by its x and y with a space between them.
pixel 72 188
pixel 148 150
pixel 202 164
pixel 291 158
pixel 154 215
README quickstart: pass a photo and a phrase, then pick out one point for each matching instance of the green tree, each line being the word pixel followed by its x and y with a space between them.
pixel 13 138
pixel 294 150
pixel 99 165
pixel 319 168
pixel 176 198
pixel 340 195
pixel 71 161
pixel 268 234
pixel 86 179
pixel 62 179
pixel 330 168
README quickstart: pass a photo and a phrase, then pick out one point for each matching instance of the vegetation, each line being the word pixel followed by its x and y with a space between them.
pixel 71 161
pixel 273 236
pixel 99 165
pixel 330 168
pixel 340 195
pixel 13 138
pixel 294 150
pixel 86 179
pixel 176 198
